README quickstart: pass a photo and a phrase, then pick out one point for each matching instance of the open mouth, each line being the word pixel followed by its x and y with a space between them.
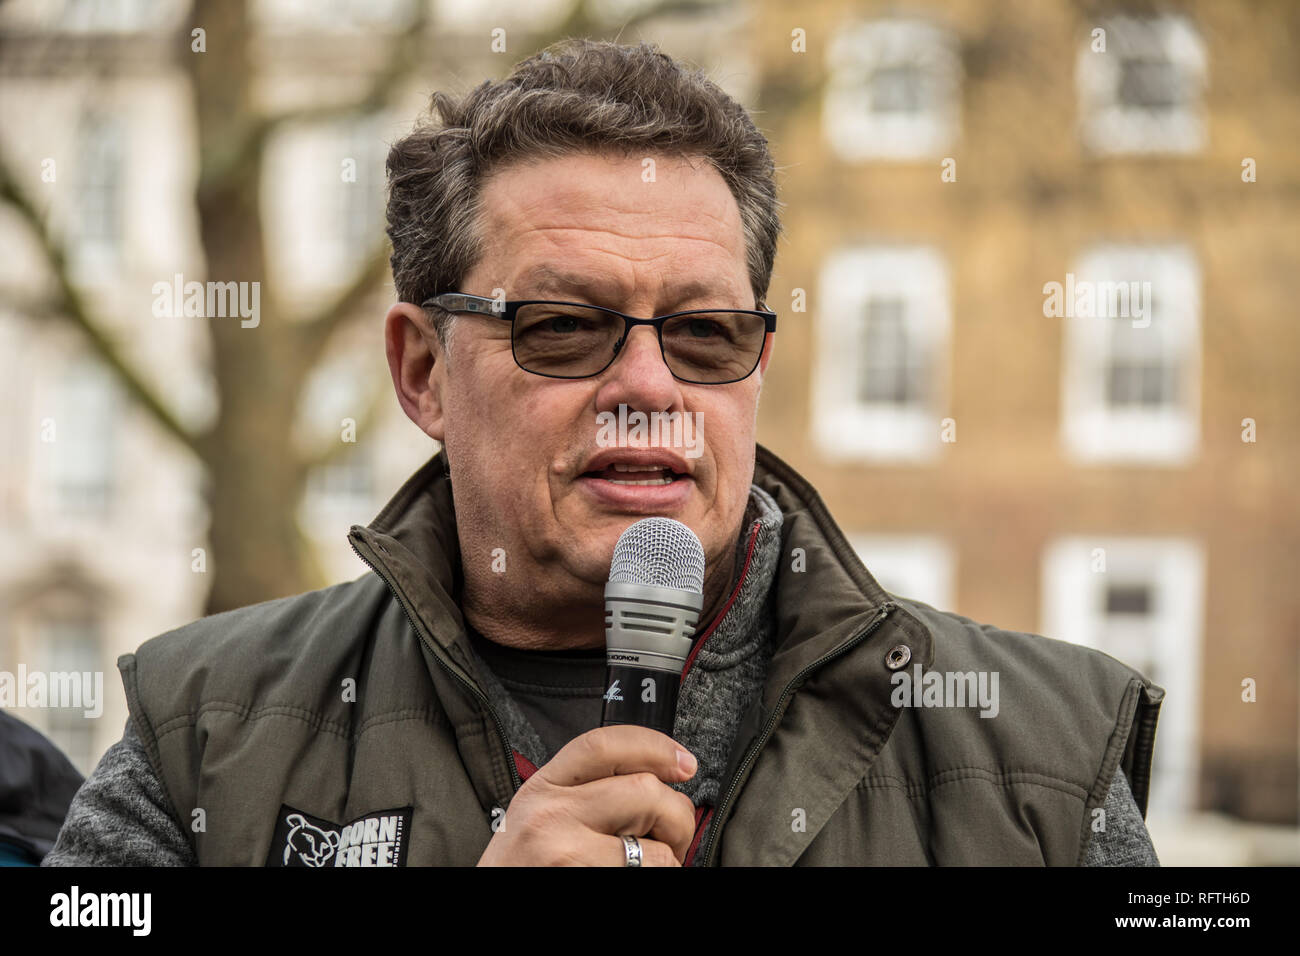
pixel 619 474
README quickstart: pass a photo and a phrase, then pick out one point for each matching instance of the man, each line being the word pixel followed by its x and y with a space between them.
pixel 446 709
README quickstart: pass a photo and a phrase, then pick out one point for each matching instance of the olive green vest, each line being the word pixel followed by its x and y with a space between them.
pixel 333 706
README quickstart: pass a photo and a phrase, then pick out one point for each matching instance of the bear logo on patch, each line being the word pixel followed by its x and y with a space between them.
pixel 313 845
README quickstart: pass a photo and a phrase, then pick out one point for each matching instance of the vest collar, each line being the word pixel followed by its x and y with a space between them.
pixel 826 605
pixel 824 592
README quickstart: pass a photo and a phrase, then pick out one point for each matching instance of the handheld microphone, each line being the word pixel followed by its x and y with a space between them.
pixel 652 604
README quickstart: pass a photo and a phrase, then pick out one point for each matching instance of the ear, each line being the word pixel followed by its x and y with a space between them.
pixel 417 365
pixel 766 357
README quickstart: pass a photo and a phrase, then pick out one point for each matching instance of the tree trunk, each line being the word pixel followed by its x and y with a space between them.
pixel 255 480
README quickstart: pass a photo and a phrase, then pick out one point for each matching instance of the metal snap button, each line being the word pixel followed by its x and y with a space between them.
pixel 898 656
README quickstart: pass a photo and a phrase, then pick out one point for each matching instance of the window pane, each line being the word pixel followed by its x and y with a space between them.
pixel 99 193
pixel 82 456
pixel 898 89
pixel 891 362
pixel 1128 599
pixel 1151 84
pixel 1143 368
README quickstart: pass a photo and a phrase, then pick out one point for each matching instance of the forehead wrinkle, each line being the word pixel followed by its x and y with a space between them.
pixel 546 279
pixel 642 237
pixel 545 271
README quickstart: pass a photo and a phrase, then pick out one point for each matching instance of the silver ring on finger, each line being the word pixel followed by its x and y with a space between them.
pixel 632 846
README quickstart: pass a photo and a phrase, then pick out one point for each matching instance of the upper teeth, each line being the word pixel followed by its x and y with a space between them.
pixel 620 467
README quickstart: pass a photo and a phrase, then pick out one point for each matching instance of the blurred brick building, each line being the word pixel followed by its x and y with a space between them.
pixel 1082 477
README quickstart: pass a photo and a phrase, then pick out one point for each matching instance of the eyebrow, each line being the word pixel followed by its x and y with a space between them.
pixel 546 279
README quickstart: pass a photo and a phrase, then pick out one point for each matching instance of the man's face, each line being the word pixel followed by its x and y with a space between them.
pixel 523 448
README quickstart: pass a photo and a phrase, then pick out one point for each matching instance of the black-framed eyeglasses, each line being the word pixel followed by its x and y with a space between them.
pixel 575 340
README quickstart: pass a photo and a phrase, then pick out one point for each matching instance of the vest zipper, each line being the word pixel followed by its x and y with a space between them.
pixel 716 824
pixel 516 780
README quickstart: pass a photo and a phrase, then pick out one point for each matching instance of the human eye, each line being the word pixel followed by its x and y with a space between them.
pixel 559 319
pixel 708 328
pixel 705 328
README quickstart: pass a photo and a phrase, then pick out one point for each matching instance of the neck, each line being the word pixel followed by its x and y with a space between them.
pixel 575 624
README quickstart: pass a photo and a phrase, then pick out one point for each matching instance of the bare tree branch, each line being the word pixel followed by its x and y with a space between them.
pixel 317 330
pixel 246 151
pixel 330 453
pixel 72 307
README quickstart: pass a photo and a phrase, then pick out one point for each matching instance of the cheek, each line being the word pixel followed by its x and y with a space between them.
pixel 514 435
pixel 735 456
pixel 729 434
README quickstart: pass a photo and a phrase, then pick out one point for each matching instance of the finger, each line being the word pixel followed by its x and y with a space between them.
pixel 653 853
pixel 639 804
pixel 621 749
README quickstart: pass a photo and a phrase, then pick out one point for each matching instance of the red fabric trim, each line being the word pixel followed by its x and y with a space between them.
pixel 749 553
pixel 704 814
pixel 700 827
pixel 523 765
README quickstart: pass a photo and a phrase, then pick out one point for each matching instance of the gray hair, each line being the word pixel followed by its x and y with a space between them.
pixel 577 95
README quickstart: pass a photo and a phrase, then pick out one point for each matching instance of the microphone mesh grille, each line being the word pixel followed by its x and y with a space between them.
pixel 660 552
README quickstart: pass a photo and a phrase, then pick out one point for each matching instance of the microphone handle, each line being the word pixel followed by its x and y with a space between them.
pixel 648 632
pixel 641 695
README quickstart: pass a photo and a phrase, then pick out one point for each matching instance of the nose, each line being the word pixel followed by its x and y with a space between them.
pixel 638 376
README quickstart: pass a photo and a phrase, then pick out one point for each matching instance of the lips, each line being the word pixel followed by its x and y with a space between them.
pixel 637 467
pixel 635 475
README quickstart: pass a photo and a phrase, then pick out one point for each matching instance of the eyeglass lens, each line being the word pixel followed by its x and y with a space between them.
pixel 572 341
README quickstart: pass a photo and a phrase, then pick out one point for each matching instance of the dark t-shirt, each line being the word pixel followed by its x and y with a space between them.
pixel 560 692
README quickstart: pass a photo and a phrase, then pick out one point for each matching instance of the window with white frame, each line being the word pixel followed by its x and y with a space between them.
pixel 1140 600
pixel 909 566
pixel 882 327
pixel 98 218
pixel 1132 365
pixel 80 439
pixel 893 91
pixel 1143 93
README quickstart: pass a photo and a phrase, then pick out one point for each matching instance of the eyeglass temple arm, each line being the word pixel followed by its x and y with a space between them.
pixel 460 302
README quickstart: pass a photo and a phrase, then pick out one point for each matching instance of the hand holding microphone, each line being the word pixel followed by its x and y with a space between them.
pixel 614 780
pixel 602 784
